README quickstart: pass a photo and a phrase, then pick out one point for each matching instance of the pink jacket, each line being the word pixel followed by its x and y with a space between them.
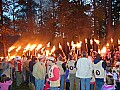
pixel 5 85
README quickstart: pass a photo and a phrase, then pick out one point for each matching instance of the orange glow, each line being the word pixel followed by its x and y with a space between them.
pixel 39 47
pixel 97 41
pixel 91 41
pixel 68 44
pixel 72 43
pixel 32 47
pixel 107 44
pixel 27 47
pixel 118 41
pixel 11 57
pixel 47 52
pixel 111 40
pixel 53 49
pixel 78 45
pixel 60 46
pixel 48 45
pixel 11 48
pixel 85 40
pixel 103 51
pixel 18 48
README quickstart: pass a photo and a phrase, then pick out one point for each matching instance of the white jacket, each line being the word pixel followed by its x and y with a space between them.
pixel 84 68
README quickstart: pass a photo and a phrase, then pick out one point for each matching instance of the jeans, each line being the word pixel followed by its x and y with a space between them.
pixel 91 86
pixel 85 83
pixel 62 78
pixel 99 84
pixel 54 88
pixel 39 84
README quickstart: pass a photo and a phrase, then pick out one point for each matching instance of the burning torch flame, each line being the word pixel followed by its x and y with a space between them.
pixel 68 44
pixel 107 44
pixel 118 41
pixel 18 48
pixel 47 52
pixel 91 41
pixel 78 45
pixel 48 45
pixel 103 51
pixel 27 47
pixel 85 40
pixel 97 41
pixel 32 47
pixel 53 49
pixel 39 46
pixel 111 40
pixel 11 48
pixel 60 46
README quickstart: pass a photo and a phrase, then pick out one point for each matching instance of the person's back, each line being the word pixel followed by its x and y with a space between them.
pixel 84 68
pixel 84 71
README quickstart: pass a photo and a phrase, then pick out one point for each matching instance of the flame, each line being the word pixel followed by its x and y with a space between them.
pixel 118 41
pixel 107 44
pixel 78 45
pixel 11 57
pixel 11 48
pixel 48 45
pixel 68 44
pixel 85 40
pixel 91 41
pixel 97 41
pixel 39 46
pixel 27 47
pixel 103 51
pixel 72 43
pixel 111 40
pixel 60 46
pixel 32 47
pixel 53 49
pixel 18 48
pixel 47 52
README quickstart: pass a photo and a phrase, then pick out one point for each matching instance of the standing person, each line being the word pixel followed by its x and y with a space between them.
pixel 92 81
pixel 18 70
pixel 84 71
pixel 99 71
pixel 27 70
pixel 72 71
pixel 59 63
pixel 54 75
pixel 39 72
pixel 31 64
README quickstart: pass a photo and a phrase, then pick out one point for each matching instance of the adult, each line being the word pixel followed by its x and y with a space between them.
pixel 84 71
pixel 72 72
pixel 99 71
pixel 54 75
pixel 59 63
pixel 18 70
pixel 39 72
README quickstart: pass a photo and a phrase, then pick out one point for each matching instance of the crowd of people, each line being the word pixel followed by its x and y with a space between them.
pixel 75 72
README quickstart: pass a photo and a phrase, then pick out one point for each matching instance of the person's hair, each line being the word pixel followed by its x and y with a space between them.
pixel 3 78
pixel 109 80
pixel 109 69
pixel 84 54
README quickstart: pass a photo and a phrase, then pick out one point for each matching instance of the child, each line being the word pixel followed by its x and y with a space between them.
pixel 109 85
pixel 5 82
